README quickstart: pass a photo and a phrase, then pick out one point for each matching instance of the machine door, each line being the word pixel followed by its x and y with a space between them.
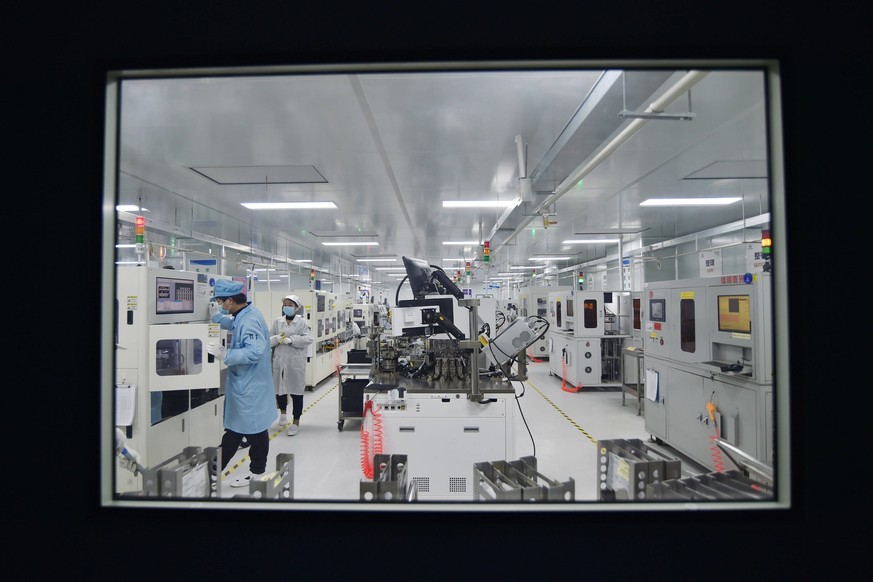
pixel 178 359
pixel 588 314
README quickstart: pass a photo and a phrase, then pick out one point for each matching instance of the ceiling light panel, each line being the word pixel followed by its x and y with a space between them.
pixel 480 203
pixel 689 201
pixel 350 244
pixel 287 205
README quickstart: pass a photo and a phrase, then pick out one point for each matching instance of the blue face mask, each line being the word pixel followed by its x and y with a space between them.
pixel 225 312
pixel 289 311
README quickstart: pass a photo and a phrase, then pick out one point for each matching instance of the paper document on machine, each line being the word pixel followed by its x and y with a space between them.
pixel 652 385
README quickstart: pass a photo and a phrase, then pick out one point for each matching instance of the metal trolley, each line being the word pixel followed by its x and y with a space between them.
pixel 353 378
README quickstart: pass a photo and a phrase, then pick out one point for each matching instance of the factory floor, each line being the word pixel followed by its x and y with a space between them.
pixel 558 427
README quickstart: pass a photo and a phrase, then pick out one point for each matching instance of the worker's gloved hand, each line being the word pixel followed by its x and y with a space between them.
pixel 129 460
pixel 216 350
pixel 287 340
pixel 214 309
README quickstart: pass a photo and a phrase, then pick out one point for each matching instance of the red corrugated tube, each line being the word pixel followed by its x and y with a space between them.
pixel 564 386
pixel 717 460
pixel 370 445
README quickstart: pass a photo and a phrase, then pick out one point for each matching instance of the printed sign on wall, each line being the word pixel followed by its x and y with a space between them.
pixel 710 263
pixel 754 259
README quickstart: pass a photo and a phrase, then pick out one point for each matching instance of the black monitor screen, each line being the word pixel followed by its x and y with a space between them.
pixel 174 295
pixel 420 276
pixel 426 279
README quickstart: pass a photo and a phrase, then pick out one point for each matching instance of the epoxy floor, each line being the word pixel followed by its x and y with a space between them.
pixel 558 427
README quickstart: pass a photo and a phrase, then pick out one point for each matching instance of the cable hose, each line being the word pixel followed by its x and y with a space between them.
pixel 564 385
pixel 717 459
pixel 533 358
pixel 370 446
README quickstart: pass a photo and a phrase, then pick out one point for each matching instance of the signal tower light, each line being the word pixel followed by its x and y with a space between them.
pixel 766 248
pixel 581 280
pixel 486 252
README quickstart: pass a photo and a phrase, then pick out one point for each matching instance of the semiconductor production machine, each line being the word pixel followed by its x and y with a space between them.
pixel 709 365
pixel 168 390
pixel 440 386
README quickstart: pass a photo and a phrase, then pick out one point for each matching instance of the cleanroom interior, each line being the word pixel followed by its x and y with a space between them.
pixel 529 284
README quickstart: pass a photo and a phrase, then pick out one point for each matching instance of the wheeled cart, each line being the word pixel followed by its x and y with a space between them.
pixel 353 378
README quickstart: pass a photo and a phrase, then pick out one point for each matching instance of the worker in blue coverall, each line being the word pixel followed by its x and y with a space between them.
pixel 249 400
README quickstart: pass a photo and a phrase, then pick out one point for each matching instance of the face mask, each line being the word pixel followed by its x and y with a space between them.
pixel 289 311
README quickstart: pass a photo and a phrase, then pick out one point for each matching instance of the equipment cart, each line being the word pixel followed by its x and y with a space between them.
pixel 353 377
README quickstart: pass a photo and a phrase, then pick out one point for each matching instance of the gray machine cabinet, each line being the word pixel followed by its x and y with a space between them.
pixel 680 416
pixel 724 357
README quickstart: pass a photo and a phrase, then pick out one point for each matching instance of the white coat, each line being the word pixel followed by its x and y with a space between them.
pixel 289 361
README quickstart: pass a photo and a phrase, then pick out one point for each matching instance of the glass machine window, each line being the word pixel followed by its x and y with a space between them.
pixel 687 339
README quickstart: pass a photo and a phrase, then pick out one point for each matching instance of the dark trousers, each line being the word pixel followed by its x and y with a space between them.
pixel 296 404
pixel 260 447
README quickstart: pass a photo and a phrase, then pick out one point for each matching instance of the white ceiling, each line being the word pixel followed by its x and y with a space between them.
pixel 393 145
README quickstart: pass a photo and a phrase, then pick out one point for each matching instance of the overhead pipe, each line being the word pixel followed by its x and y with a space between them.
pixel 684 84
pixel 522 169
pixel 592 99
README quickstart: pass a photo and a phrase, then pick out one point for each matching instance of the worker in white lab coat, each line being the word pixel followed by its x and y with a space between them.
pixel 290 337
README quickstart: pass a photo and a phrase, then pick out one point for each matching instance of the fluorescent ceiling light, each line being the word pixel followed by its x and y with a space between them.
pixel 460 242
pixel 286 205
pixel 550 258
pixel 528 267
pixel 300 260
pixel 689 201
pixel 351 244
pixel 130 208
pixel 461 260
pixel 126 246
pixel 262 270
pixel 480 203
pixel 377 260
pixel 128 262
pixel 389 269
pixel 589 241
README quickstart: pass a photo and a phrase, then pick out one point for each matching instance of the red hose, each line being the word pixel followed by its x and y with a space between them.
pixel 717 460
pixel 533 359
pixel 564 386
pixel 370 446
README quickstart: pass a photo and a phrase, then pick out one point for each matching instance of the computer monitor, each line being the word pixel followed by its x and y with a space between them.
pixel 734 314
pixel 173 295
pixel 427 279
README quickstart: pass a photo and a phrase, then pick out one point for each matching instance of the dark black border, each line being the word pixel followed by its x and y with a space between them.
pixel 55 106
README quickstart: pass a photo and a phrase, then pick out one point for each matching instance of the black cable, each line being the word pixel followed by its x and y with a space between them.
pixel 397 292
pixel 524 420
